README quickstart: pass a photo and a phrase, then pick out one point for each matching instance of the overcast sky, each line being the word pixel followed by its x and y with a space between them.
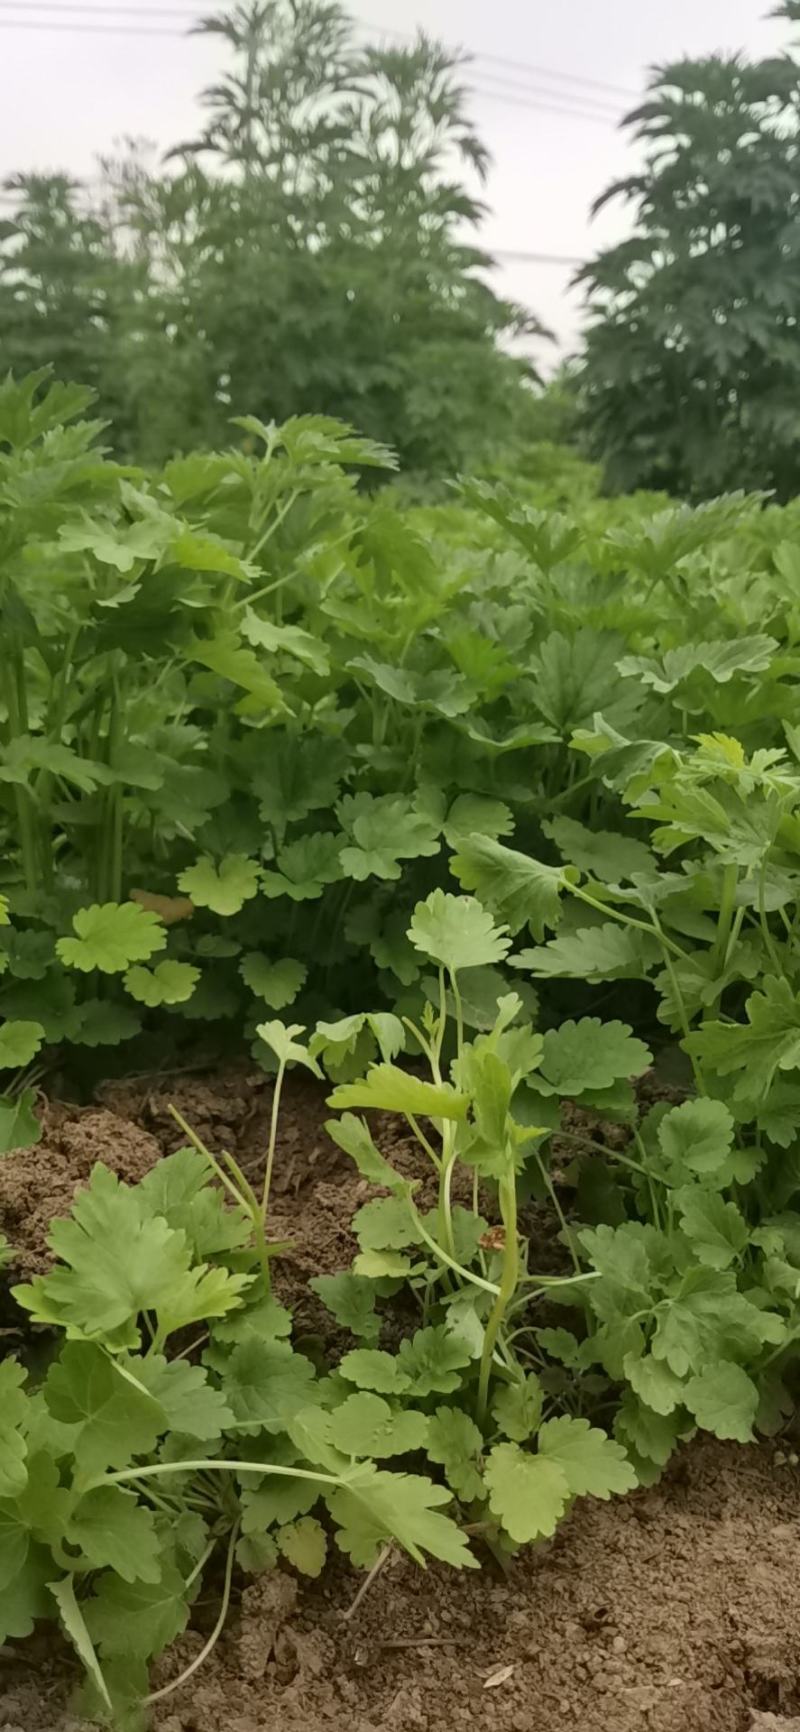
pixel 68 94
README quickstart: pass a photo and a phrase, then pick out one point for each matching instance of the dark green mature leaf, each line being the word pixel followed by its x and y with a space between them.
pixel 522 891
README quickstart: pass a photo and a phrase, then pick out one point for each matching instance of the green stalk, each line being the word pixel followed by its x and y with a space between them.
pixel 17 725
pixel 727 904
pixel 508 1284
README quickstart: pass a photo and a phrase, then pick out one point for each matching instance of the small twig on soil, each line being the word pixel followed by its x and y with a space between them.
pixel 382 1559
pixel 426 1642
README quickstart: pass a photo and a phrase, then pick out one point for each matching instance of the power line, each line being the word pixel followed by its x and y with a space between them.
pixel 523 258
pixel 89 7
pixel 533 102
pixel 543 107
pixel 89 29
pixel 513 65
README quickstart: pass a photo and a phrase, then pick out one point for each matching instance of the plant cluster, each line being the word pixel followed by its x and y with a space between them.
pixel 239 686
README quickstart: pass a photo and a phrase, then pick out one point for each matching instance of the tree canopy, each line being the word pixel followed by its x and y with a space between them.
pixel 691 377
pixel 305 251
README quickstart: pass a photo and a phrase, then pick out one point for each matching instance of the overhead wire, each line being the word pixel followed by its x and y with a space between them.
pixel 95 8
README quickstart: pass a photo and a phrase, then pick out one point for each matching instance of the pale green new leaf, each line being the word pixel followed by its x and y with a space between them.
pixel 281 1038
pixel 457 932
pixel 528 1494
pixel 224 888
pixel 110 936
pixel 389 1089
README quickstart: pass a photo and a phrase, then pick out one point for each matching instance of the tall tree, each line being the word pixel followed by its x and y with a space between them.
pixel 691 374
pixel 306 251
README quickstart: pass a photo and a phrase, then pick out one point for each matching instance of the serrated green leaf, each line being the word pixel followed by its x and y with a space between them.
pixel 365 1425
pixel 475 815
pixel 592 953
pixel 276 1502
pixel 267 1382
pixel 278 983
pixel 592 1463
pixel 600 853
pixel 456 1444
pixel 19 1126
pixel 168 983
pixel 114 1531
pixel 724 1400
pixel 117 1420
pixel 371 1368
pixel 522 891
pixel 591 1054
pixel 654 1383
pixel 517 1408
pixel 383 830
pixel 304 1544
pixel 351 1300
pixel 379 1506
pixel 386 1224
pixel 19 1043
pixel 354 1136
pixel 110 936
pixel 697 1134
pixel 528 1494
pixel 136 1618
pixel 190 1403
pixel 256 1553
pixel 224 888
pixel 13 1445
pixel 717 1230
pixel 652 1436
pixel 304 868
pixel 457 932
pixel 432 1361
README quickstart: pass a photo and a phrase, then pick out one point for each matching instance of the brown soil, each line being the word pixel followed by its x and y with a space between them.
pixel 675 1610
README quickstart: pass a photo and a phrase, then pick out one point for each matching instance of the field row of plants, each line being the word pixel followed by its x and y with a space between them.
pixel 487 814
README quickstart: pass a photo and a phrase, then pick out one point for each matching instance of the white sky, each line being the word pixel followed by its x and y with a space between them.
pixel 67 96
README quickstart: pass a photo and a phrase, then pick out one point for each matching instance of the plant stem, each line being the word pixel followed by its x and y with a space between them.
pixel 507 1192
pixel 188 1671
pixel 565 1230
pixel 273 1135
